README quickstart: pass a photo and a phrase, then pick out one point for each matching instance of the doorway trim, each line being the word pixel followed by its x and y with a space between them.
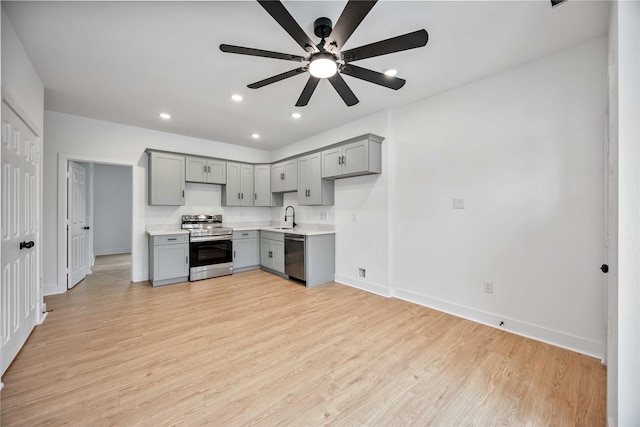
pixel 63 162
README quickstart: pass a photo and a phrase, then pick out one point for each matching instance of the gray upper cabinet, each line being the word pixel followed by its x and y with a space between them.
pixel 239 188
pixel 201 169
pixel 361 157
pixel 312 189
pixel 166 179
pixel 284 176
pixel 262 187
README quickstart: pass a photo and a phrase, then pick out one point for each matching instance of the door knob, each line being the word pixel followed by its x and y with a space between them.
pixel 86 228
pixel 27 245
pixel 604 268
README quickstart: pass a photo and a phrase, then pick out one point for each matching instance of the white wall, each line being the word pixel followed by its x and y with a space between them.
pixel 363 243
pixel 623 405
pixel 20 81
pixel 112 206
pixel 104 142
pixel 524 149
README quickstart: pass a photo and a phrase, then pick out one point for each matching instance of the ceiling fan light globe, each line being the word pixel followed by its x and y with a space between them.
pixel 323 67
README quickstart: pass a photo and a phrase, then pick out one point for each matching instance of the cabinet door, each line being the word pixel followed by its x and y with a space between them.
pixel 166 179
pixel 232 188
pixel 304 171
pixel 170 261
pixel 266 249
pixel 277 254
pixel 246 185
pixel 262 185
pixel 216 171
pixel 315 180
pixel 332 162
pixel 277 178
pixel 356 157
pixel 290 175
pixel 245 253
pixel 196 169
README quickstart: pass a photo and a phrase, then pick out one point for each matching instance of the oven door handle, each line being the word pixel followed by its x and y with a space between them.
pixel 200 239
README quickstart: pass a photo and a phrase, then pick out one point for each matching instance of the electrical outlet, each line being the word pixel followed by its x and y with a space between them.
pixel 458 203
pixel 157 215
pixel 488 287
pixel 362 273
pixel 354 217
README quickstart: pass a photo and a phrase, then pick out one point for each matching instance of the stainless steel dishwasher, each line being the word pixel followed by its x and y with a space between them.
pixel 294 247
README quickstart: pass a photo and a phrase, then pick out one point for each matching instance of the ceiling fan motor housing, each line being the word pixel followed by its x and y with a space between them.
pixel 322 27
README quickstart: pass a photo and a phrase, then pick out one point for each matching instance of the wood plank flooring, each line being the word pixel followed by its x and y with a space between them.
pixel 254 349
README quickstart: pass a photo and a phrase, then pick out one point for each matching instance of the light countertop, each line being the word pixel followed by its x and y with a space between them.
pixel 301 231
pixel 161 232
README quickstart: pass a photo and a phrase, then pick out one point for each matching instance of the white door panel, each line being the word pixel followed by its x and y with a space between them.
pixel 77 223
pixel 19 296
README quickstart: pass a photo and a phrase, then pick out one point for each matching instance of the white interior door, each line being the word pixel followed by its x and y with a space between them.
pixel 77 224
pixel 19 299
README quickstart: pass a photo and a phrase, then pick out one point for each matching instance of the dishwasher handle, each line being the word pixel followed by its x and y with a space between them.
pixel 294 238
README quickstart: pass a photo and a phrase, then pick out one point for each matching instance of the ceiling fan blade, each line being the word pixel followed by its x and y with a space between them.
pixel 343 90
pixel 259 52
pixel 352 15
pixel 373 76
pixel 282 16
pixel 311 85
pixel 277 78
pixel 395 44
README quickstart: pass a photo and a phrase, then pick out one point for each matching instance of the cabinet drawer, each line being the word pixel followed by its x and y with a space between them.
pixel 272 235
pixel 250 234
pixel 171 239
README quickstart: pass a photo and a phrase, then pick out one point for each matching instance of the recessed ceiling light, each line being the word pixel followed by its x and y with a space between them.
pixel 236 97
pixel 296 115
pixel 391 73
pixel 255 135
pixel 165 116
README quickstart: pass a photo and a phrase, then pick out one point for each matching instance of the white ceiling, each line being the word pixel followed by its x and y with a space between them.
pixel 127 61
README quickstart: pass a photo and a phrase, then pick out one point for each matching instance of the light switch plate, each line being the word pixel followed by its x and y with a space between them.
pixel 458 203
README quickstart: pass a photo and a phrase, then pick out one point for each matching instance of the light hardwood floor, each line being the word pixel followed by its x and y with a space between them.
pixel 256 349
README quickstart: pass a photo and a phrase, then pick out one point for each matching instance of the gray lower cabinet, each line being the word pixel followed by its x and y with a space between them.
pixel 166 179
pixel 245 251
pixel 168 259
pixel 272 251
pixel 319 259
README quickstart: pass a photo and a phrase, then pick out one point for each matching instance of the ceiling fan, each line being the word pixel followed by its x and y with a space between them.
pixel 327 59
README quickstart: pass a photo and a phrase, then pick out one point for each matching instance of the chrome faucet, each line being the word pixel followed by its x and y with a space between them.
pixel 294 215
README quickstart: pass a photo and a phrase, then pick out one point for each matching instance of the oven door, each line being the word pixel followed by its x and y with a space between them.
pixel 210 258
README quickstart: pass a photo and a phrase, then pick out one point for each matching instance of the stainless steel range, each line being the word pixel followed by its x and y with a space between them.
pixel 210 246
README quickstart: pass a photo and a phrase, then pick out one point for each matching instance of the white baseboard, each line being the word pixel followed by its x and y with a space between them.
pixel 112 251
pixel 52 289
pixel 42 317
pixel 374 288
pixel 528 330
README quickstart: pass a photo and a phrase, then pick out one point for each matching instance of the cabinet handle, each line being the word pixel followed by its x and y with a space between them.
pixel 234 254
pixel 209 169
pixel 281 176
pixel 187 259
pixel 255 196
pixel 174 238
pixel 344 160
pixel 183 194
pixel 339 160
pixel 242 196
pixel 245 234
pixel 238 196
pixel 204 168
